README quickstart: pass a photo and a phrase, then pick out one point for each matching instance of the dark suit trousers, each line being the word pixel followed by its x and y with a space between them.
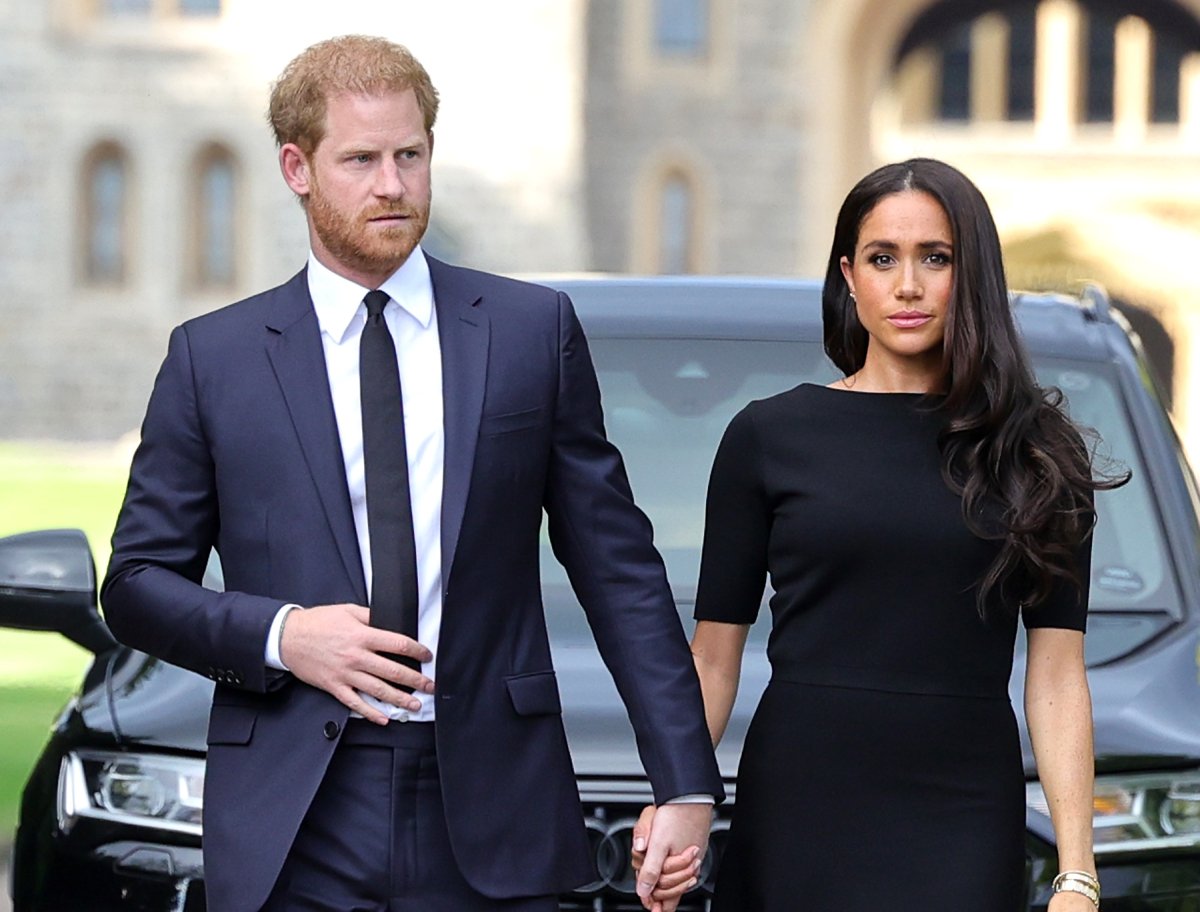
pixel 375 839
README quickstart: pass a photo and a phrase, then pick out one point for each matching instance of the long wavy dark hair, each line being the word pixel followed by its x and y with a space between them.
pixel 1023 470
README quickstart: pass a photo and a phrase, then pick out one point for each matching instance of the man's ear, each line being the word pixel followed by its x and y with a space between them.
pixel 294 165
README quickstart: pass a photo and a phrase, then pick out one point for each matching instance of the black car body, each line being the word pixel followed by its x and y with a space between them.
pixel 111 815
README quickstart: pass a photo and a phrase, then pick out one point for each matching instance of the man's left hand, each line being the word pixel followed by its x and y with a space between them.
pixel 674 829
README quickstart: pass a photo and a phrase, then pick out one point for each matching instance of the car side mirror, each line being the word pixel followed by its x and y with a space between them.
pixel 48 582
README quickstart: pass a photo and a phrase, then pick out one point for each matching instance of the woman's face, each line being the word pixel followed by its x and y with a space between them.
pixel 902 278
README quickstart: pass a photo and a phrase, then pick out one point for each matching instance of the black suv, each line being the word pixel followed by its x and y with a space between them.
pixel 111 817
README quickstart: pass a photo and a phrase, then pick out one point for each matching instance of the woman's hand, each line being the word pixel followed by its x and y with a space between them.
pixel 641 832
pixel 1070 902
pixel 1058 711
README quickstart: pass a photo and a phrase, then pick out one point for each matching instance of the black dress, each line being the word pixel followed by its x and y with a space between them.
pixel 882 769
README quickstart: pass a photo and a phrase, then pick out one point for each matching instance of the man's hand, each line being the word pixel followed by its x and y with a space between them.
pixel 674 848
pixel 679 872
pixel 334 648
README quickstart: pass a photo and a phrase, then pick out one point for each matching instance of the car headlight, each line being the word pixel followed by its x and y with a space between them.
pixel 1138 813
pixel 142 789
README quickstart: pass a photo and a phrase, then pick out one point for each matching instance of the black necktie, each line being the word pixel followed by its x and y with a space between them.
pixel 385 462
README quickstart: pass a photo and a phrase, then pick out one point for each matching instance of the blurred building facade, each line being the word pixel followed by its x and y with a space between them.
pixel 141 184
pixel 627 135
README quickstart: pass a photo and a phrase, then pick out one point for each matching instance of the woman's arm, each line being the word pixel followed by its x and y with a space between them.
pixel 717 649
pixel 1058 711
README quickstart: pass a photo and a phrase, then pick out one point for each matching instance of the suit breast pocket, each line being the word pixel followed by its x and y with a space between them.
pixel 534 694
pixel 511 422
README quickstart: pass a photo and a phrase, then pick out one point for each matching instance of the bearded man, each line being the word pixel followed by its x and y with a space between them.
pixel 370 448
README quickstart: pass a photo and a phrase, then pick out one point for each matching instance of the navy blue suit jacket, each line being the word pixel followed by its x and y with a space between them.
pixel 240 451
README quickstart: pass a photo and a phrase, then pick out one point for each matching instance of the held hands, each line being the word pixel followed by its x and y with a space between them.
pixel 668 846
pixel 334 648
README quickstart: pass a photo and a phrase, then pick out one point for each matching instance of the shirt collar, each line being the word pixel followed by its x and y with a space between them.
pixel 337 300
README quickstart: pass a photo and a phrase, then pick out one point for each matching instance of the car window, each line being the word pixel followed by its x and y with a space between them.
pixel 1134 593
pixel 1130 563
pixel 666 404
pixel 668 401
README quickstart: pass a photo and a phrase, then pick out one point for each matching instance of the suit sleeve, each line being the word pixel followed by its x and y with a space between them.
pixel 152 597
pixel 605 543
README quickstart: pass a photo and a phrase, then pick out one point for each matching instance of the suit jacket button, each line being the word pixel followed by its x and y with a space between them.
pixel 331 730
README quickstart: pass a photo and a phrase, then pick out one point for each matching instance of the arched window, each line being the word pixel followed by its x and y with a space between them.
pixel 956 74
pixel 105 214
pixel 158 8
pixel 1022 37
pixel 214 229
pixel 676 226
pixel 1101 45
pixel 127 7
pixel 681 27
pixel 1168 65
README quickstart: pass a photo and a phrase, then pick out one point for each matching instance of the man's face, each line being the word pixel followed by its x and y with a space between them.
pixel 367 185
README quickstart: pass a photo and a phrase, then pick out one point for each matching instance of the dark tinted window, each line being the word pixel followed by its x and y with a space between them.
pixel 956 74
pixel 666 404
pixel 1022 23
pixel 1130 563
pixel 1168 62
pixel 1101 28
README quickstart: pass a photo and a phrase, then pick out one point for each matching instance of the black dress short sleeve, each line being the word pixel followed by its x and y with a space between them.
pixel 1066 606
pixel 733 564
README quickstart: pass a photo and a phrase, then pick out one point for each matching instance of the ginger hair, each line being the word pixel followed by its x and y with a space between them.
pixel 351 64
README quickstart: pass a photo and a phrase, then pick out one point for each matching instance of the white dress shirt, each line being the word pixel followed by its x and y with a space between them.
pixel 412 321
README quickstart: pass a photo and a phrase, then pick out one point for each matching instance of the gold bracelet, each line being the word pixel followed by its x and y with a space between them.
pixel 1086 876
pixel 1081 882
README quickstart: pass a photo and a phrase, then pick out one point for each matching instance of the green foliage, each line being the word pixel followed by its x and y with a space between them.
pixel 29 711
pixel 41 488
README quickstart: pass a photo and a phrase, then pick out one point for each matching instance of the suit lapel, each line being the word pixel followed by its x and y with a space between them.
pixel 464 333
pixel 294 348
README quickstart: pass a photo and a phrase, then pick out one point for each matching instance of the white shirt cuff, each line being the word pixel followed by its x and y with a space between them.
pixel 274 635
pixel 692 799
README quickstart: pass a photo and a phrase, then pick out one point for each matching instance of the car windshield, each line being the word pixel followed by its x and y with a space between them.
pixel 667 402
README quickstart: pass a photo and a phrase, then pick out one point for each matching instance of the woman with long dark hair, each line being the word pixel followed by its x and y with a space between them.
pixel 907 516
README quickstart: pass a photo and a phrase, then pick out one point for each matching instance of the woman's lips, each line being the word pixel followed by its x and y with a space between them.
pixel 909 319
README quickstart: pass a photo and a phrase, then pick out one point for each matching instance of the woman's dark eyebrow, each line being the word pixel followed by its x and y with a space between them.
pixel 892 245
